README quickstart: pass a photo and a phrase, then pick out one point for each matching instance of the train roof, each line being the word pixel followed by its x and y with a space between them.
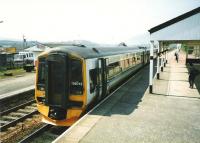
pixel 95 52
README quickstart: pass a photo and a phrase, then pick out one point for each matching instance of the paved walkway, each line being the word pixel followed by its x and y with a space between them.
pixel 132 115
pixel 175 79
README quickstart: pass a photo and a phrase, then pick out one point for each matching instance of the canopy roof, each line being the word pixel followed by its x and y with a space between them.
pixel 182 28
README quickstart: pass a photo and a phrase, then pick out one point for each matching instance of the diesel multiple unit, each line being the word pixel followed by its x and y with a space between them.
pixel 69 78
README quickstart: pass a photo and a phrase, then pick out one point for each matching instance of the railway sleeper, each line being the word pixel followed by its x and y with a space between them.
pixel 18 114
pixel 31 107
pixel 11 128
pixel 29 119
pixel 25 111
pixel 34 105
pixel 9 118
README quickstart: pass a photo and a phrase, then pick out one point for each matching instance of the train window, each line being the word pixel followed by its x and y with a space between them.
pixel 131 61
pixel 122 65
pixel 76 79
pixel 41 74
pixel 138 58
pixel 126 63
pixel 93 80
pixel 113 69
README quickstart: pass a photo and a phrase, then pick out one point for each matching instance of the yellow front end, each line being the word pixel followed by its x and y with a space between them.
pixel 71 117
pixel 72 113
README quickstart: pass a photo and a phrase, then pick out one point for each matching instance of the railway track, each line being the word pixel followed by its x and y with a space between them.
pixel 11 117
pixel 11 100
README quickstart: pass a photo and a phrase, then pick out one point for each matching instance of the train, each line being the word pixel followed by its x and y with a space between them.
pixel 70 78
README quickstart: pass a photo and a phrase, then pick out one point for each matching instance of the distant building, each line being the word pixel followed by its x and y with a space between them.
pixel 36 50
pixel 2 50
pixel 9 50
pixel 6 60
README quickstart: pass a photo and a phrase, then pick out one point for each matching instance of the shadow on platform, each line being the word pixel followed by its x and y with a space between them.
pixel 127 98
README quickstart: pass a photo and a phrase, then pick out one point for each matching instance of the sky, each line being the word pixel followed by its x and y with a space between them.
pixel 101 21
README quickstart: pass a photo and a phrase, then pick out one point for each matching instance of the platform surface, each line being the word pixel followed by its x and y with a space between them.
pixel 16 84
pixel 131 115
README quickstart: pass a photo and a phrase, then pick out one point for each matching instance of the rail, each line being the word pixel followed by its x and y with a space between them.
pixel 17 114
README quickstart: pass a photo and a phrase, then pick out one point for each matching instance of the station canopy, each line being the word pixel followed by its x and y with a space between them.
pixel 184 29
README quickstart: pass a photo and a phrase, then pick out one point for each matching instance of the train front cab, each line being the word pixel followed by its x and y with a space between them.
pixel 60 88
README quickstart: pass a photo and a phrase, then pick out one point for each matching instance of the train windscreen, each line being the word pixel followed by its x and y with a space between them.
pixel 76 79
pixel 41 74
pixel 60 76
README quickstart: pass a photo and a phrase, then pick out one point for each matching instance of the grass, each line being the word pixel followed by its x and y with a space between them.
pixel 14 72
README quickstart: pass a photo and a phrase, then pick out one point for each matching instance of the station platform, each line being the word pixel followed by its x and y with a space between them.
pixel 17 84
pixel 132 115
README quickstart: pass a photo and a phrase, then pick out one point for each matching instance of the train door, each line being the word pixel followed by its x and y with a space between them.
pixel 56 80
pixel 93 83
pixel 56 90
pixel 102 78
